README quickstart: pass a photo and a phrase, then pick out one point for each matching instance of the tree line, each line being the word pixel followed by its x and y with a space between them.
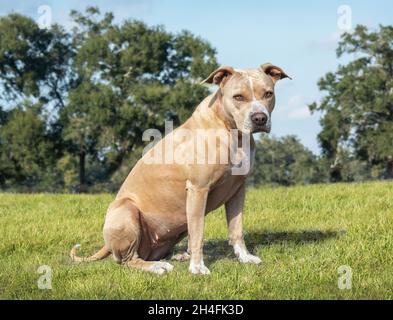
pixel 77 102
pixel 74 104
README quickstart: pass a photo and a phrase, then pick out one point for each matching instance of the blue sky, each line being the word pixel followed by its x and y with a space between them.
pixel 299 36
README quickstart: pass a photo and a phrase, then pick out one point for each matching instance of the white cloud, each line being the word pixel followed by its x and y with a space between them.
pixel 328 43
pixel 301 113
pixel 297 108
pixel 296 101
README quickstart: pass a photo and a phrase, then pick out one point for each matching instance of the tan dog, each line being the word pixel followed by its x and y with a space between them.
pixel 161 202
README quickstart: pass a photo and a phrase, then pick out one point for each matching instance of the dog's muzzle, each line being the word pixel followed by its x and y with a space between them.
pixel 260 122
pixel 260 118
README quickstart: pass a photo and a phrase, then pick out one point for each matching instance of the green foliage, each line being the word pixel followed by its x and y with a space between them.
pixel 33 61
pixel 26 153
pixel 358 107
pixel 102 86
pixel 284 161
pixel 78 103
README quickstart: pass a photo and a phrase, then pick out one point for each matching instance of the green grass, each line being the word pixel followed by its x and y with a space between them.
pixel 303 234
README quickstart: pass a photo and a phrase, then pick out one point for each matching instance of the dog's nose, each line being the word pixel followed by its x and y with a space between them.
pixel 259 118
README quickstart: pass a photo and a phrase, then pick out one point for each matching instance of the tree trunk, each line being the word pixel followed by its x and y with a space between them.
pixel 335 175
pixel 335 171
pixel 336 167
pixel 389 169
pixel 82 172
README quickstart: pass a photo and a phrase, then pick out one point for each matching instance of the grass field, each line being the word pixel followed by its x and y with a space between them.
pixel 303 234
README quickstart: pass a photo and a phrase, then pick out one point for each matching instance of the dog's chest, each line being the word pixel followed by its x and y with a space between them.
pixel 234 176
pixel 240 165
pixel 242 162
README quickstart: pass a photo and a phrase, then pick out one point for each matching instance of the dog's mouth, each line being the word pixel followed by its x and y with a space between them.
pixel 259 129
pixel 255 128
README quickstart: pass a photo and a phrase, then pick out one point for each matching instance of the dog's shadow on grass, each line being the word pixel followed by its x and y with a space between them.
pixel 218 249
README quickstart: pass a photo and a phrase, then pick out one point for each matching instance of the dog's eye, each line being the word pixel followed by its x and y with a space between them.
pixel 239 97
pixel 268 94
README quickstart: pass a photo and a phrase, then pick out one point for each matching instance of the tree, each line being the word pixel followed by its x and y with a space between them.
pixel 98 88
pixel 284 161
pixel 358 108
pixel 34 62
pixel 35 76
pixel 26 150
pixel 131 76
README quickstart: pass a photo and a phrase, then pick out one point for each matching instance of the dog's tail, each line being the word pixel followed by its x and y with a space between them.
pixel 99 255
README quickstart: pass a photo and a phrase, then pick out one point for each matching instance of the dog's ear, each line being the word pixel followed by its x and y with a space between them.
pixel 220 76
pixel 274 72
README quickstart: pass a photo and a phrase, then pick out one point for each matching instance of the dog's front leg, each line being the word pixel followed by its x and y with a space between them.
pixel 196 206
pixel 234 212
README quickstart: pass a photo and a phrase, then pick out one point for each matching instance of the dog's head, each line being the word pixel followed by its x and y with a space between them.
pixel 247 96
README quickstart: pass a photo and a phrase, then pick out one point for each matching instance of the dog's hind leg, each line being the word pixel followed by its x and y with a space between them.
pixel 158 267
pixel 184 256
pixel 181 257
pixel 122 234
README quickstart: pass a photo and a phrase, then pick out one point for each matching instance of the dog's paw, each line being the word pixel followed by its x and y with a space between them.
pixel 181 257
pixel 160 267
pixel 199 268
pixel 244 256
pixel 249 258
